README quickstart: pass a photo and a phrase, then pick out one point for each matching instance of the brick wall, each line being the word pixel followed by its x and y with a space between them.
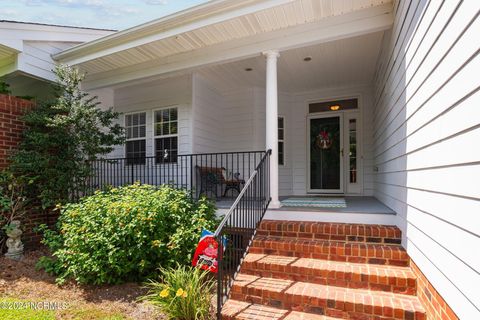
pixel 11 128
pixel 436 307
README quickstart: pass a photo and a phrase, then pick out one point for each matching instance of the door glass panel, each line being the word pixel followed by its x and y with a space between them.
pixel 352 141
pixel 325 153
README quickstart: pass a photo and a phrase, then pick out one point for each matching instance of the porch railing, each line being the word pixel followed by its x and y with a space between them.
pixel 237 229
pixel 216 175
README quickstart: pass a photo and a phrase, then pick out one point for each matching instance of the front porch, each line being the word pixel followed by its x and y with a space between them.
pixel 312 106
pixel 357 209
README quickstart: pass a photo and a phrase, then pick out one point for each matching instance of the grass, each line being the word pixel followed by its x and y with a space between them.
pixel 78 312
pixel 11 309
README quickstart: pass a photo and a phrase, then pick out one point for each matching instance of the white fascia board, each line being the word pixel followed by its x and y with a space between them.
pixel 329 29
pixel 169 26
pixel 32 32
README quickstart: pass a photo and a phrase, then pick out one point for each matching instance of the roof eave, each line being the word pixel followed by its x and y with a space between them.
pixel 196 17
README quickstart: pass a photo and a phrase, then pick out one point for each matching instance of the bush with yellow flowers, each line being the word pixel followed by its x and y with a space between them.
pixel 183 293
pixel 126 233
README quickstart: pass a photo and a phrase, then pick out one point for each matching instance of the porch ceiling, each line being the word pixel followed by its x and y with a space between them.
pixel 221 31
pixel 342 62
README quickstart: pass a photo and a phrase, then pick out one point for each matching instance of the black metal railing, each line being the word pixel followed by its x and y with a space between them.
pixel 237 229
pixel 216 175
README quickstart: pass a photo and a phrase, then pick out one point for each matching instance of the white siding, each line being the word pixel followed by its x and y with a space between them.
pixel 207 117
pixel 425 142
pixel 241 114
pixel 36 57
pixel 155 95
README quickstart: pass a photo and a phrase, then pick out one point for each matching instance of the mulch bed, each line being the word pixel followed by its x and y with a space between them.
pixel 20 280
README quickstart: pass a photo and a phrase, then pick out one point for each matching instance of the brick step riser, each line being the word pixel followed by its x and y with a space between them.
pixel 335 229
pixel 332 237
pixel 392 257
pixel 334 278
pixel 328 307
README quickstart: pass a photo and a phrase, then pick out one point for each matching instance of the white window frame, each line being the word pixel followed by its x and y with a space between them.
pixel 154 136
pixel 139 138
pixel 282 140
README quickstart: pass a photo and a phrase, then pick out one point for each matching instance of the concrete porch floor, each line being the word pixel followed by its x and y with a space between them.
pixel 358 210
pixel 368 205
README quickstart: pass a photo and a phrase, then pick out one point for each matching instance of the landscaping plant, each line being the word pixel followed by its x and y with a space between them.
pixel 184 293
pixel 126 234
pixel 62 136
pixel 13 203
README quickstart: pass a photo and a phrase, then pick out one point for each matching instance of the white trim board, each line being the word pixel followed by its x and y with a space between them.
pixel 324 216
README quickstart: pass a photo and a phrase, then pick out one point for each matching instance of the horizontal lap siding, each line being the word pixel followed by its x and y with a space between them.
pixel 425 142
pixel 207 115
pixel 155 95
pixel 36 57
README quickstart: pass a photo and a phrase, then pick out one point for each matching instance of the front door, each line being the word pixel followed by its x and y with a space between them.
pixel 325 160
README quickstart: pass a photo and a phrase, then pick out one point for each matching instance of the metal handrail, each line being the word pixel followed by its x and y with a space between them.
pixel 241 228
pixel 235 204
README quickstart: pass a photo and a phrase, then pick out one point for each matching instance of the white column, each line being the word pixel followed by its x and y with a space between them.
pixel 272 123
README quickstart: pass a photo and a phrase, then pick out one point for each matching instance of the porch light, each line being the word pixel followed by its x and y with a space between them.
pixel 334 107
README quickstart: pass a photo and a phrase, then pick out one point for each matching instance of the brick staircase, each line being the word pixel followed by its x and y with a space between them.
pixel 324 271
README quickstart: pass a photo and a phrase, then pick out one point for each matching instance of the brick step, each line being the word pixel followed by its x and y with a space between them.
pixel 240 310
pixel 344 303
pixel 331 250
pixel 331 231
pixel 334 273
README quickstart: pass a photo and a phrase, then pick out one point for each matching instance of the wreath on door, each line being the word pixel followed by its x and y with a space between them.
pixel 324 140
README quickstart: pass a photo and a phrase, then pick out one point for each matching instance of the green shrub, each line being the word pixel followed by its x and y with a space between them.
pixel 125 234
pixel 184 293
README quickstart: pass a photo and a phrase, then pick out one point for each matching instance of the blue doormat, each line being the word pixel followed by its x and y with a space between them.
pixel 315 202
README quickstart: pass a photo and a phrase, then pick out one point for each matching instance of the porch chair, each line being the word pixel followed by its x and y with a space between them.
pixel 211 179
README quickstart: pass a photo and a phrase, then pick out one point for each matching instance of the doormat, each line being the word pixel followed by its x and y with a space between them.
pixel 315 202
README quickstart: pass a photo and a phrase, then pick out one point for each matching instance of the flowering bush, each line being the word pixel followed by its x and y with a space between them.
pixel 126 234
pixel 184 293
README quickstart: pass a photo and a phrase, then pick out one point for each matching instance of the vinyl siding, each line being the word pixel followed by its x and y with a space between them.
pixel 425 142
pixel 156 95
pixel 243 117
pixel 207 115
pixel 36 57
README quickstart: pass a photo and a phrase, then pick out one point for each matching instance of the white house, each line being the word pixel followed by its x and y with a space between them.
pixel 25 53
pixel 372 101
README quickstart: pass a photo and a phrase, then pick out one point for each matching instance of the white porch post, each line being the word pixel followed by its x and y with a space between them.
pixel 271 136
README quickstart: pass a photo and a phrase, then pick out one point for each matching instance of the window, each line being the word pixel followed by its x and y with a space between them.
pixel 135 126
pixel 352 155
pixel 166 135
pixel 281 141
pixel 338 105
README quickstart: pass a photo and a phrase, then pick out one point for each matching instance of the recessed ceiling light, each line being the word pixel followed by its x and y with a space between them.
pixel 248 69
pixel 335 107
pixel 307 59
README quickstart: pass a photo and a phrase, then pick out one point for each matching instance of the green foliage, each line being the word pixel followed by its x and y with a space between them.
pixel 4 88
pixel 184 293
pixel 13 202
pixel 125 234
pixel 61 137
